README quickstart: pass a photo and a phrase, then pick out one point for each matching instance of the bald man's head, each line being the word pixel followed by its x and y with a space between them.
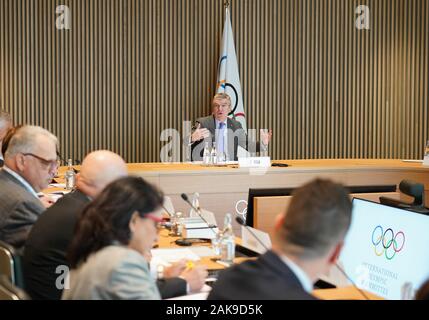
pixel 99 168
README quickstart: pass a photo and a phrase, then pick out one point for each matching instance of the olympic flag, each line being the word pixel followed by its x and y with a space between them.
pixel 228 76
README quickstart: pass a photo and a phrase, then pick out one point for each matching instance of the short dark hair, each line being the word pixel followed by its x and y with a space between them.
pixel 318 217
pixel 107 218
pixel 423 292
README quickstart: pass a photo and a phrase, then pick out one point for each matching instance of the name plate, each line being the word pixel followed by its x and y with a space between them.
pixel 254 162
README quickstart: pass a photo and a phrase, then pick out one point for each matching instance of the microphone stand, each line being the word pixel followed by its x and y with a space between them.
pixel 241 222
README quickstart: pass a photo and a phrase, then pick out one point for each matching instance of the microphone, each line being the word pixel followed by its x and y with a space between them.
pixel 351 281
pixel 241 222
pixel 197 210
pixel 413 189
pixel 185 197
pixel 166 210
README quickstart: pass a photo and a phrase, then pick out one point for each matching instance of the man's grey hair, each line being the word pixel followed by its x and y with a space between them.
pixel 25 140
pixel 5 117
pixel 222 96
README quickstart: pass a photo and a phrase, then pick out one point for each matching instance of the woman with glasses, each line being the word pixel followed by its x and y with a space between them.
pixel 113 235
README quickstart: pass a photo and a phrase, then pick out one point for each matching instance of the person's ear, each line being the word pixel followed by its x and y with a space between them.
pixel 20 162
pixel 336 253
pixel 133 221
pixel 278 222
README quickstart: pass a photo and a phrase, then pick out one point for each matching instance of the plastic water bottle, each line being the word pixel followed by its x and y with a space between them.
pixel 213 156
pixel 206 154
pixel 216 244
pixel 196 204
pixel 176 225
pixel 228 241
pixel 70 176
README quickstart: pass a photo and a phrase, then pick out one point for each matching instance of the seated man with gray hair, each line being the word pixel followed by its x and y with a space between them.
pixel 30 163
pixel 5 124
pixel 224 133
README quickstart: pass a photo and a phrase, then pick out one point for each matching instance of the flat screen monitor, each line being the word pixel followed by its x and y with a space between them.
pixel 386 250
pixel 278 192
pixel 262 192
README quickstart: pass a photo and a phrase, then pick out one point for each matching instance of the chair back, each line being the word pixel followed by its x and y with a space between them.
pixel 10 264
pixel 10 292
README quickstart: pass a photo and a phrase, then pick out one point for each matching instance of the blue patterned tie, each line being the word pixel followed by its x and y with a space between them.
pixel 220 143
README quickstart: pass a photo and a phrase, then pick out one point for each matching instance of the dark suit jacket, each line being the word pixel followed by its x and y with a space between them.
pixel 238 138
pixel 267 278
pixel 19 210
pixel 47 245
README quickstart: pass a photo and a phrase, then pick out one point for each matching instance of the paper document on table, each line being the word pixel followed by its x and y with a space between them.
pixel 165 257
pixel 172 255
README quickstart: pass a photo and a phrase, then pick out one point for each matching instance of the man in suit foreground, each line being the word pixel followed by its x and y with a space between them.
pixel 30 165
pixel 307 242
pixel 5 124
pixel 45 252
pixel 224 133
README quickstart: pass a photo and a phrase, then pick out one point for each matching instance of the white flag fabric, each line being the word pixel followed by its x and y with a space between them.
pixel 228 76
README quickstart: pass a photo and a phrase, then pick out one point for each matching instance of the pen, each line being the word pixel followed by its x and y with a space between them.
pixel 190 265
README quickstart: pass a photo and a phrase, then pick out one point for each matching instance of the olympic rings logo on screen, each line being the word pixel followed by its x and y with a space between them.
pixel 387 242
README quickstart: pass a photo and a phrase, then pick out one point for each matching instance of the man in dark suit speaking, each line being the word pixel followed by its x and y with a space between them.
pixel 224 133
pixel 307 242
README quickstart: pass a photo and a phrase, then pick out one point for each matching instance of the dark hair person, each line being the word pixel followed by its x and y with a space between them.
pixel 112 236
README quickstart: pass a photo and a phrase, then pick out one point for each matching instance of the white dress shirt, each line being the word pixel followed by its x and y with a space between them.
pixel 225 135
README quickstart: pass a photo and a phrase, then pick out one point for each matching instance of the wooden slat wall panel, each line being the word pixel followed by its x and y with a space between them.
pixel 130 68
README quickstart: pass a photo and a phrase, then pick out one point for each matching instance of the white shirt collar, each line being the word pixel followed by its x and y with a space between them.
pixel 22 180
pixel 299 273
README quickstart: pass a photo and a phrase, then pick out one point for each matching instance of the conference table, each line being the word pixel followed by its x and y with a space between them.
pixel 221 187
